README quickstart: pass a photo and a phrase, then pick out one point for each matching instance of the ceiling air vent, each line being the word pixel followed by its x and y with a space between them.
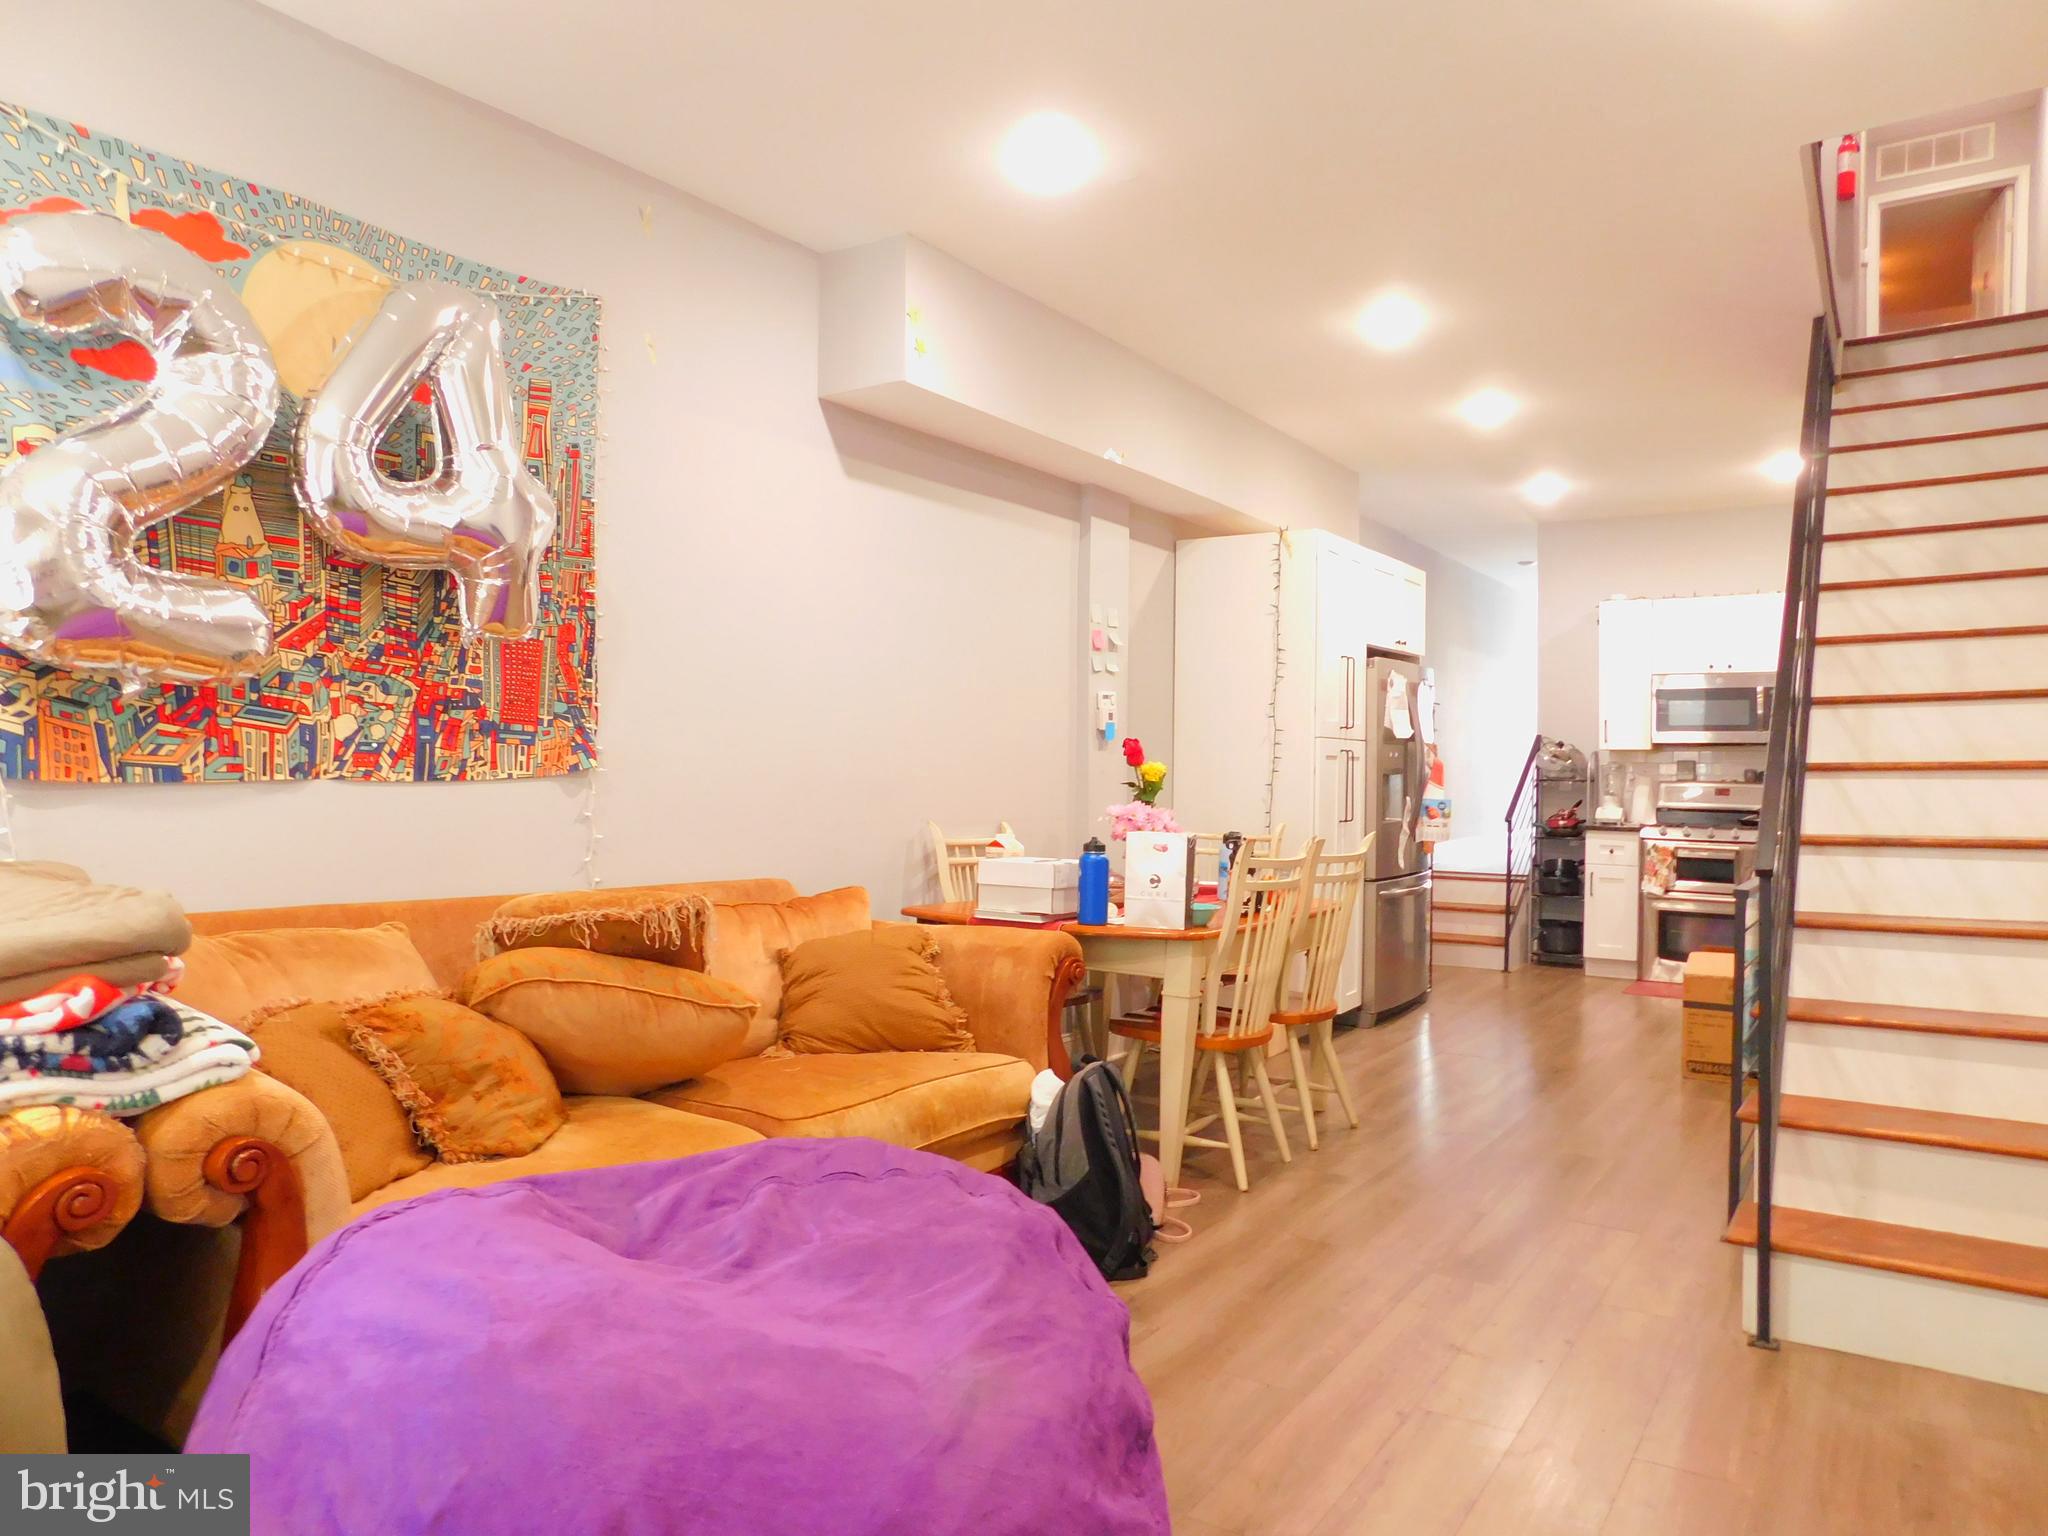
pixel 1934 152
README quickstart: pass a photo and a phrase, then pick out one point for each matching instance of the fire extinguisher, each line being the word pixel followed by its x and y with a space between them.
pixel 1846 159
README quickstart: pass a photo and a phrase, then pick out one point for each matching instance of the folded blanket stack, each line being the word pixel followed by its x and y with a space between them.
pixel 84 1015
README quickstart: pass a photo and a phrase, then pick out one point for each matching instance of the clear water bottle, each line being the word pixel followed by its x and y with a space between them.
pixel 1226 860
pixel 1094 882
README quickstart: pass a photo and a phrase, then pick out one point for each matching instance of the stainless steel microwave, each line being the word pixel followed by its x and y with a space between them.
pixel 1697 709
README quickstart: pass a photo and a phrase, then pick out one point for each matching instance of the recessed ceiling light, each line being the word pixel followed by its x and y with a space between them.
pixel 1545 488
pixel 1782 467
pixel 1048 153
pixel 1486 409
pixel 1392 320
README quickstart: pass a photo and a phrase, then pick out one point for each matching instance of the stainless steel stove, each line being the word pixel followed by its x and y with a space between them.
pixel 1708 831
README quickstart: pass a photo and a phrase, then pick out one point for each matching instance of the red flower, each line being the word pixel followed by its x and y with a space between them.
pixel 1134 754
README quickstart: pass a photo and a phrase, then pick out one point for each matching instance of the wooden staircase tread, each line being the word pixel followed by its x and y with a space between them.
pixel 1987 1263
pixel 1944 330
pixel 1898 636
pixel 1926 1021
pixel 1923 364
pixel 1468 906
pixel 1934 766
pixel 1492 940
pixel 1935 482
pixel 1946 696
pixel 1974 525
pixel 1955 397
pixel 1933 438
pixel 1874 840
pixel 1943 578
pixel 1936 927
pixel 1895 1122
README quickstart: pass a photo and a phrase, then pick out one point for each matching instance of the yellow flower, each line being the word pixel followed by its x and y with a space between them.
pixel 1153 773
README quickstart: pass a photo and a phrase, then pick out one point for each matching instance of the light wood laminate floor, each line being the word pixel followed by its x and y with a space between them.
pixel 1501 1305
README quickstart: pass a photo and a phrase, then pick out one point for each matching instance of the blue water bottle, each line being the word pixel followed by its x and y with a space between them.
pixel 1094 882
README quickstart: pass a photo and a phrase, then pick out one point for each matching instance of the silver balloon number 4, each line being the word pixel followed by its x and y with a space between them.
pixel 72 591
pixel 479 513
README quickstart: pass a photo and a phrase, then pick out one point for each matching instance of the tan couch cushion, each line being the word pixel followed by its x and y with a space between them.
pixel 306 1047
pixel 474 1088
pixel 877 989
pixel 597 1133
pixel 234 976
pixel 936 1101
pixel 611 1025
pixel 748 939
pixel 643 923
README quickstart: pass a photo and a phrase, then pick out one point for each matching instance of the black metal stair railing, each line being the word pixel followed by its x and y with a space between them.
pixel 1520 863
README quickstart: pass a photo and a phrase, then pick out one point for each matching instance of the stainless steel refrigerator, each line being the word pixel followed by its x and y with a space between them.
pixel 1396 899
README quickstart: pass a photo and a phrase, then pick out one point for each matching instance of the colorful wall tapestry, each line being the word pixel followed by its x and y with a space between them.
pixel 370 677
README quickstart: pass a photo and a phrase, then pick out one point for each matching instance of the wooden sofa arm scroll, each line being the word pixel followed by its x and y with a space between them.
pixel 1071 975
pixel 68 1202
pixel 70 1179
pixel 273 1226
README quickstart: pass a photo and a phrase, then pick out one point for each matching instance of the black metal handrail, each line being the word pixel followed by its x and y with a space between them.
pixel 1820 205
pixel 1766 977
pixel 1521 849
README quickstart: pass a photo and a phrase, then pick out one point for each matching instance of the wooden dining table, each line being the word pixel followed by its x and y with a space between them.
pixel 1177 958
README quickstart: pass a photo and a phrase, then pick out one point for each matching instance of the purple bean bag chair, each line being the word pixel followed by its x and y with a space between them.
pixel 824 1338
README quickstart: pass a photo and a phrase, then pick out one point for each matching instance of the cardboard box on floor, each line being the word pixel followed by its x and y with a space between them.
pixel 1707 1035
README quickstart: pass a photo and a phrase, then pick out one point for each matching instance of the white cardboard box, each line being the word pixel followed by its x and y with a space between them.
pixel 1159 879
pixel 1028 887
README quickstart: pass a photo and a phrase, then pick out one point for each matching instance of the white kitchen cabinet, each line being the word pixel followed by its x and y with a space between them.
pixel 1397 604
pixel 1643 636
pixel 1339 775
pixel 1342 601
pixel 1613 877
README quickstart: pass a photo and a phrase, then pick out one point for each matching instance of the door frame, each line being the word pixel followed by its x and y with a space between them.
pixel 2015 176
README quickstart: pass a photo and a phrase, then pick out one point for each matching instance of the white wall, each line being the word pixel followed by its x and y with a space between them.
pixel 1482 646
pixel 817 629
pixel 1580 563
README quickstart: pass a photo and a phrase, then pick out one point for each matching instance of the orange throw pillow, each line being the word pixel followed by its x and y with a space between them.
pixel 306 1047
pixel 875 990
pixel 608 1025
pixel 651 923
pixel 475 1088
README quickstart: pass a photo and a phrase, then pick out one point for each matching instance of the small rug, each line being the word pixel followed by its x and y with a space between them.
pixel 1670 989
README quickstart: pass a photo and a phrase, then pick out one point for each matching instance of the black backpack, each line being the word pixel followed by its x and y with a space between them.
pixel 1083 1162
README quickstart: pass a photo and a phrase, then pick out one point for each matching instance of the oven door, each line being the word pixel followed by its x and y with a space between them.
pixel 1703 708
pixel 1676 925
pixel 1707 869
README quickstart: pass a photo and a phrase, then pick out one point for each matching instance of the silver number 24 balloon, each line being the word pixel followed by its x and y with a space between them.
pixel 73 593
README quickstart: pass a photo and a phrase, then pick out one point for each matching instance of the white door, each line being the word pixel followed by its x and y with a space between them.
pixel 1340 823
pixel 1340 641
pixel 1612 894
pixel 1991 260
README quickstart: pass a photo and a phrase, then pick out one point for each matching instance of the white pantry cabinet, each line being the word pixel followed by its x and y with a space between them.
pixel 1397 604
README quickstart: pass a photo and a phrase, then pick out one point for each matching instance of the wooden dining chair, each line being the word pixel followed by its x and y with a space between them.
pixel 1260 922
pixel 1208 848
pixel 1328 922
pixel 959 861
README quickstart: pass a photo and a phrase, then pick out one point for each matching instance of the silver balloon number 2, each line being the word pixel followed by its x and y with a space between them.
pixel 480 512
pixel 72 592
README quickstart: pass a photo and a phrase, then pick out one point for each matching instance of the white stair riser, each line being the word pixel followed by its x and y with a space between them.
pixel 1962 1329
pixel 2021 408
pixel 1958 730
pixel 1931 666
pixel 1470 889
pixel 1966 501
pixel 1927 804
pixel 1466 957
pixel 1980 1194
pixel 1916 1069
pixel 1923 971
pixel 1947 379
pixel 1927 882
pixel 1926 461
pixel 1938 605
pixel 1951 342
pixel 1488 923
pixel 1939 554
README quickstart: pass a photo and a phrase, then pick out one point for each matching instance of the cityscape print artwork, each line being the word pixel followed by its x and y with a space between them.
pixel 369 677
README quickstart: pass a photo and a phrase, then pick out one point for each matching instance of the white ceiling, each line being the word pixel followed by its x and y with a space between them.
pixel 1600 198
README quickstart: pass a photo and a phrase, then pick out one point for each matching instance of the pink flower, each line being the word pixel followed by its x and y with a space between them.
pixel 1137 816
